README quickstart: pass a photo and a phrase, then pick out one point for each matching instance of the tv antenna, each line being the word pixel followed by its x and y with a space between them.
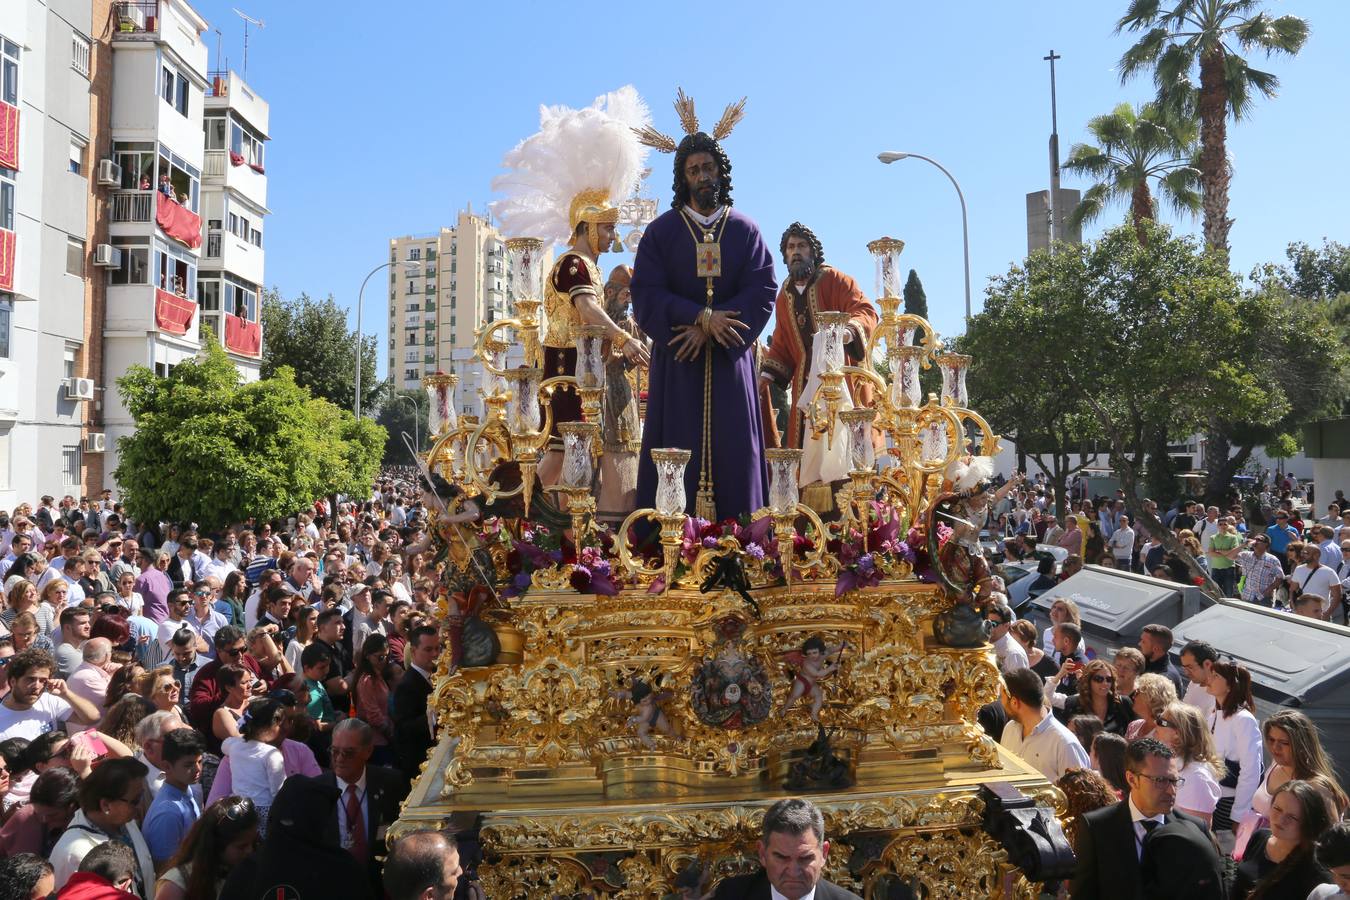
pixel 248 20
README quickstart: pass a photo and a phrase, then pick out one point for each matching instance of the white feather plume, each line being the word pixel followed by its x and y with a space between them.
pixel 574 150
pixel 965 473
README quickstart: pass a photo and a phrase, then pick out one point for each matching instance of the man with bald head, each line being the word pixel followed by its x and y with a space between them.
pixel 90 679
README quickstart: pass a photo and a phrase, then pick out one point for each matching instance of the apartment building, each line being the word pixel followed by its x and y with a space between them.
pixel 46 168
pixel 184 249
pixel 442 288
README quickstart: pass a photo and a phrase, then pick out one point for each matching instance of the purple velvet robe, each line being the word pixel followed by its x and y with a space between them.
pixel 667 292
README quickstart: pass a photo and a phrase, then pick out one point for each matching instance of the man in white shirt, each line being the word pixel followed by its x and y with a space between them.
pixel 1011 656
pixel 180 602
pixel 38 702
pixel 1314 578
pixel 1197 661
pixel 1033 733
pixel 220 564
pixel 1206 529
pixel 374 791
pixel 1121 544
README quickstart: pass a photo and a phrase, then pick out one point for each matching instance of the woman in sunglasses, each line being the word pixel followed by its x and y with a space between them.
pixel 224 836
pixel 1183 728
pixel 1097 696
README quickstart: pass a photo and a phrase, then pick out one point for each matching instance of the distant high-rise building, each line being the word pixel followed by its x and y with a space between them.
pixel 1038 219
pixel 460 281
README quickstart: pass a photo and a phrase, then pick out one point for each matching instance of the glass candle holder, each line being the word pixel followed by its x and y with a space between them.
pixel 886 252
pixel 522 411
pixel 832 334
pixel 954 367
pixel 494 359
pixel 578 437
pixel 862 450
pixel 525 256
pixel 934 441
pixel 670 463
pixel 440 388
pixel 590 341
pixel 783 492
pixel 906 393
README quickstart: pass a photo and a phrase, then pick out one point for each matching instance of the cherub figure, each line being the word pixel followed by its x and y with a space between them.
pixel 812 663
pixel 649 715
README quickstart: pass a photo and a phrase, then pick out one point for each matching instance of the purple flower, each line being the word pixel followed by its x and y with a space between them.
pixel 521 581
pixel 754 551
pixel 600 567
pixel 866 564
pixel 710 542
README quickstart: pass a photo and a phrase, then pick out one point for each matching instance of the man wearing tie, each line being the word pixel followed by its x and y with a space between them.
pixel 413 735
pixel 369 800
pixel 1121 847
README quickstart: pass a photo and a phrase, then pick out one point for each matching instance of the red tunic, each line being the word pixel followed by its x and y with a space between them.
pixel 572 274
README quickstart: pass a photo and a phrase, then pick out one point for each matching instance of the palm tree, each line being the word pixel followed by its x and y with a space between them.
pixel 1207 35
pixel 1132 149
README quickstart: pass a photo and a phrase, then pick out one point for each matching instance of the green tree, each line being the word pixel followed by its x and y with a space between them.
pixel 1133 149
pixel 1312 273
pixel 1141 339
pixel 403 412
pixel 311 337
pixel 1205 37
pixel 916 301
pixel 212 450
pixel 1027 402
pixel 1281 447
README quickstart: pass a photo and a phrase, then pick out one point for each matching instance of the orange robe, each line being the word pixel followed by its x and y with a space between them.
pixel 788 359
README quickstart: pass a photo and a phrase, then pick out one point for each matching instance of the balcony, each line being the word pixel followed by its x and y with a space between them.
pixel 213 240
pixel 133 206
pixel 219 167
pixel 136 17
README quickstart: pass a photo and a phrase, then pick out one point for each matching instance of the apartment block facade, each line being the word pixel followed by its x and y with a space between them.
pixel 443 287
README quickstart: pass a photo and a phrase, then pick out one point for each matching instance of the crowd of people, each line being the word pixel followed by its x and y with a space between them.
pixel 1136 742
pixel 236 714
pixel 1272 550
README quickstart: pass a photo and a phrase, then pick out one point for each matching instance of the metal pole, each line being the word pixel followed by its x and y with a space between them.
pixel 360 296
pixel 1054 155
pixel 417 412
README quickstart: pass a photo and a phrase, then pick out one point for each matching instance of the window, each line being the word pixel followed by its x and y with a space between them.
pixel 68 364
pixel 77 158
pixel 7 199
pixel 184 180
pixel 137 160
pixel 240 298
pixel 79 54
pixel 175 269
pixel 414 253
pixel 74 257
pixel 411 374
pixel 246 143
pixel 9 72
pixel 135 267
pixel 174 88
pixel 208 295
pixel 70 466
pixel 6 315
pixel 215 132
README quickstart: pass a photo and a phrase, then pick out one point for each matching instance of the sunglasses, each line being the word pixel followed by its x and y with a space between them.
pixel 1103 679
pixel 238 809
pixel 232 651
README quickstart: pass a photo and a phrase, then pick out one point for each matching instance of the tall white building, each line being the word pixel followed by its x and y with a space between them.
pixel 45 166
pixel 186 216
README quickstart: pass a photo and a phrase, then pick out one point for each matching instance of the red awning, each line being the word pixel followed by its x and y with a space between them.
pixel 172 312
pixel 177 221
pixel 8 240
pixel 9 136
pixel 243 336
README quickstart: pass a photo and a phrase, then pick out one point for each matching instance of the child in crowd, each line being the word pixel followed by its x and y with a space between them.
pixel 256 766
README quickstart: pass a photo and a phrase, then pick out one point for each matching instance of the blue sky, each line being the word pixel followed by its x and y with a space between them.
pixel 388 118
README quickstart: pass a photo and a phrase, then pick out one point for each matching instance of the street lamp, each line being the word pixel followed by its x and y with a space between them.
pixel 410 266
pixel 417 414
pixel 891 156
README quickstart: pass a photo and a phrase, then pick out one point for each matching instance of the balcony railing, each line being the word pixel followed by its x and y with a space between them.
pixel 133 206
pixel 137 16
pixel 218 83
pixel 213 239
pixel 216 161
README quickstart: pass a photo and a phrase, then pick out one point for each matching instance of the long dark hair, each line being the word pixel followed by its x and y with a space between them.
pixel 232 582
pixel 1239 682
pixel 205 843
pixel 374 643
pixel 701 143
pixel 1316 819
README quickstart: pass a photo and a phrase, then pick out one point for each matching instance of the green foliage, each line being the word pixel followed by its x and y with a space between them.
pixel 916 301
pixel 1312 273
pixel 1282 446
pixel 403 411
pixel 1134 149
pixel 311 337
pixel 211 450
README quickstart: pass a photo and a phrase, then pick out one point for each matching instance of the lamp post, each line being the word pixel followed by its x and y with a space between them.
pixel 409 265
pixel 891 156
pixel 417 413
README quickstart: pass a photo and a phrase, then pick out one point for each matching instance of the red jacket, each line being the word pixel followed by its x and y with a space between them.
pixel 88 886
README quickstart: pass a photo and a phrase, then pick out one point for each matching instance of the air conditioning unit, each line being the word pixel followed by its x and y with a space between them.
pixel 80 389
pixel 109 173
pixel 95 442
pixel 107 255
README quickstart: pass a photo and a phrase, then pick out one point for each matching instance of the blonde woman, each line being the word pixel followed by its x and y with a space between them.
pixel 1061 611
pixel 1296 752
pixel 1153 693
pixel 1183 728
pixel 163 690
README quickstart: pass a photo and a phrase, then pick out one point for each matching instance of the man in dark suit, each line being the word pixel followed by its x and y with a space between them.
pixel 413 737
pixel 375 791
pixel 1142 834
pixel 792 851
pixel 181 568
